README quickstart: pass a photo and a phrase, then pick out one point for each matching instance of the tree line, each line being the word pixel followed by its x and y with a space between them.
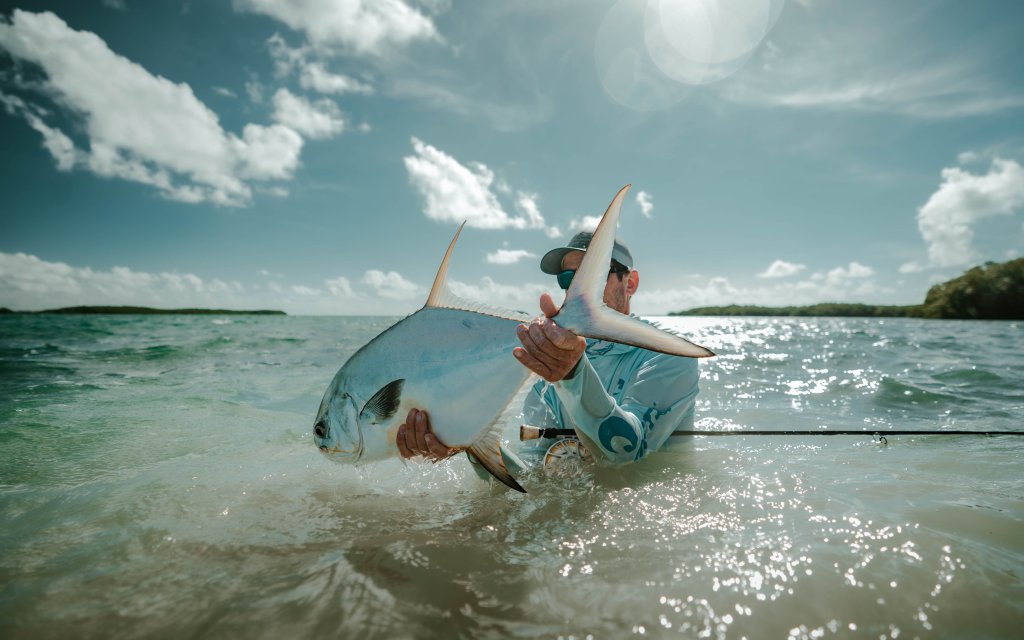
pixel 992 291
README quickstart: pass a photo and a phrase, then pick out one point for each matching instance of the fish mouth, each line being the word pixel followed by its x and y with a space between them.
pixel 333 446
pixel 335 453
pixel 352 454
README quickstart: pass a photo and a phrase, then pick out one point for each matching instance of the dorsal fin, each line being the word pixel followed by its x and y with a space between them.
pixel 437 291
pixel 585 313
pixel 441 296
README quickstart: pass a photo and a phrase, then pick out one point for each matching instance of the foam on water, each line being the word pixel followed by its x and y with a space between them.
pixel 158 479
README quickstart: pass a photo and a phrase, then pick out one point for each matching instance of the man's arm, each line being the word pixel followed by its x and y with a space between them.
pixel 658 397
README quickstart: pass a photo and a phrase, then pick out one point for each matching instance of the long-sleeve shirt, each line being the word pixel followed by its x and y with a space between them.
pixel 624 402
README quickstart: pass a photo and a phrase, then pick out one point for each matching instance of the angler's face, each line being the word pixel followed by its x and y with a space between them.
pixel 617 289
pixel 336 431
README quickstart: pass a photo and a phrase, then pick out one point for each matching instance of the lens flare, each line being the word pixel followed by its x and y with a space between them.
pixel 649 54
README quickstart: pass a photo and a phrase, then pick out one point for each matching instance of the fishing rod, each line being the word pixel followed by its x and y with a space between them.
pixel 528 432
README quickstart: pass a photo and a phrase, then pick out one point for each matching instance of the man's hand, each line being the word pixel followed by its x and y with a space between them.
pixel 416 438
pixel 548 350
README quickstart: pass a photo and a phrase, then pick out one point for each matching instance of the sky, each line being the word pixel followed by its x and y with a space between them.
pixel 317 156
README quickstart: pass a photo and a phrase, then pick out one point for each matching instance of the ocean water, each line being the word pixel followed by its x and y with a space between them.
pixel 158 480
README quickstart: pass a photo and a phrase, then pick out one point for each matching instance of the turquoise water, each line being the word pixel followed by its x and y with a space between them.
pixel 158 479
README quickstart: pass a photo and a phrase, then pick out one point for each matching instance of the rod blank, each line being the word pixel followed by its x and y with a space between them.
pixel 528 432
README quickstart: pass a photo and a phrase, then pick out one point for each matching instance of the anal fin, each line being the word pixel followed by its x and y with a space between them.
pixel 487 451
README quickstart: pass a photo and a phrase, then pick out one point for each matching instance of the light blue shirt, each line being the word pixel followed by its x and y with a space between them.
pixel 623 401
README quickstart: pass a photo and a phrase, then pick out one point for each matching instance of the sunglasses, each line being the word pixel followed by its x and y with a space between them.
pixel 565 277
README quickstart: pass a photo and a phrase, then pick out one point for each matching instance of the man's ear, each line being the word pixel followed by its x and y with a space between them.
pixel 633 282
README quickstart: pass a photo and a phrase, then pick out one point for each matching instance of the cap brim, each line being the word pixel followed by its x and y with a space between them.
pixel 552 261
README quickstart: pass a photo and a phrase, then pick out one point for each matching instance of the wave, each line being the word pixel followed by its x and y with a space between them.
pixel 965 377
pixel 897 394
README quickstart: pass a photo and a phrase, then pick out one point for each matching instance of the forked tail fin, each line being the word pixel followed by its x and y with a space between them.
pixel 585 313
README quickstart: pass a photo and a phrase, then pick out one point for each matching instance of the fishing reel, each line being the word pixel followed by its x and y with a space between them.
pixel 565 456
pixel 565 453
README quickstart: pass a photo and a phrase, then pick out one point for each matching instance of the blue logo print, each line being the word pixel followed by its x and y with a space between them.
pixel 616 426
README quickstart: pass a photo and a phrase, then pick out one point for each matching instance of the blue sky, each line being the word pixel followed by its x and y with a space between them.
pixel 316 156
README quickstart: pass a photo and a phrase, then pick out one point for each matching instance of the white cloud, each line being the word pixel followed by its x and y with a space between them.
pixel 27 282
pixel 508 256
pixel 404 77
pixel 585 223
pixel 316 77
pixel 313 74
pixel 30 283
pixel 224 91
pixel 869 67
pixel 852 283
pixel 454 192
pixel 255 92
pixel 391 285
pixel 519 297
pixel 841 275
pixel 365 27
pixel 526 205
pixel 781 269
pixel 339 286
pixel 286 58
pixel 315 120
pixel 267 152
pixel 646 205
pixel 963 198
pixel 54 140
pixel 141 127
pixel 967 157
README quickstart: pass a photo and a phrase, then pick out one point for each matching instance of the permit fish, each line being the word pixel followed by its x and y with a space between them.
pixel 453 359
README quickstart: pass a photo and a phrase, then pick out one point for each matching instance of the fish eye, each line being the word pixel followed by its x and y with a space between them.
pixel 320 429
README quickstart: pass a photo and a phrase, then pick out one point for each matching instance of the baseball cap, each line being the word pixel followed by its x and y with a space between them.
pixel 552 260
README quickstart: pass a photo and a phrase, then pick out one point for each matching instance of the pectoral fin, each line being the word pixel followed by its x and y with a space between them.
pixel 487 451
pixel 384 403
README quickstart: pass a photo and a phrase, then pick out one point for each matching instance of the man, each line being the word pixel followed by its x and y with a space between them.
pixel 623 401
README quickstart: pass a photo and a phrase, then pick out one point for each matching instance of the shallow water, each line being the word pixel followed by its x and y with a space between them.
pixel 158 479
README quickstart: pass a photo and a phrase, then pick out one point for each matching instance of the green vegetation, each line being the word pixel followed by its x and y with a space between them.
pixel 150 311
pixel 993 291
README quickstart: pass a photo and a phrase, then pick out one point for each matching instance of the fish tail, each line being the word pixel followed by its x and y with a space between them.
pixel 585 313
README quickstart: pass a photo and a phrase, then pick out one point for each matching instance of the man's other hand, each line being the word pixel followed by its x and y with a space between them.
pixel 548 350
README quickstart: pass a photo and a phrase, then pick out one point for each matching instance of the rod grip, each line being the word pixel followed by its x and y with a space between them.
pixel 528 432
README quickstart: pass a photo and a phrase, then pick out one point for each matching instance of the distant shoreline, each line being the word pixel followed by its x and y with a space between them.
pixel 101 310
pixel 822 310
pixel 992 291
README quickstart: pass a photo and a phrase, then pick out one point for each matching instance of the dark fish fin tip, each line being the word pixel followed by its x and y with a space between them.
pixel 487 451
pixel 384 403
